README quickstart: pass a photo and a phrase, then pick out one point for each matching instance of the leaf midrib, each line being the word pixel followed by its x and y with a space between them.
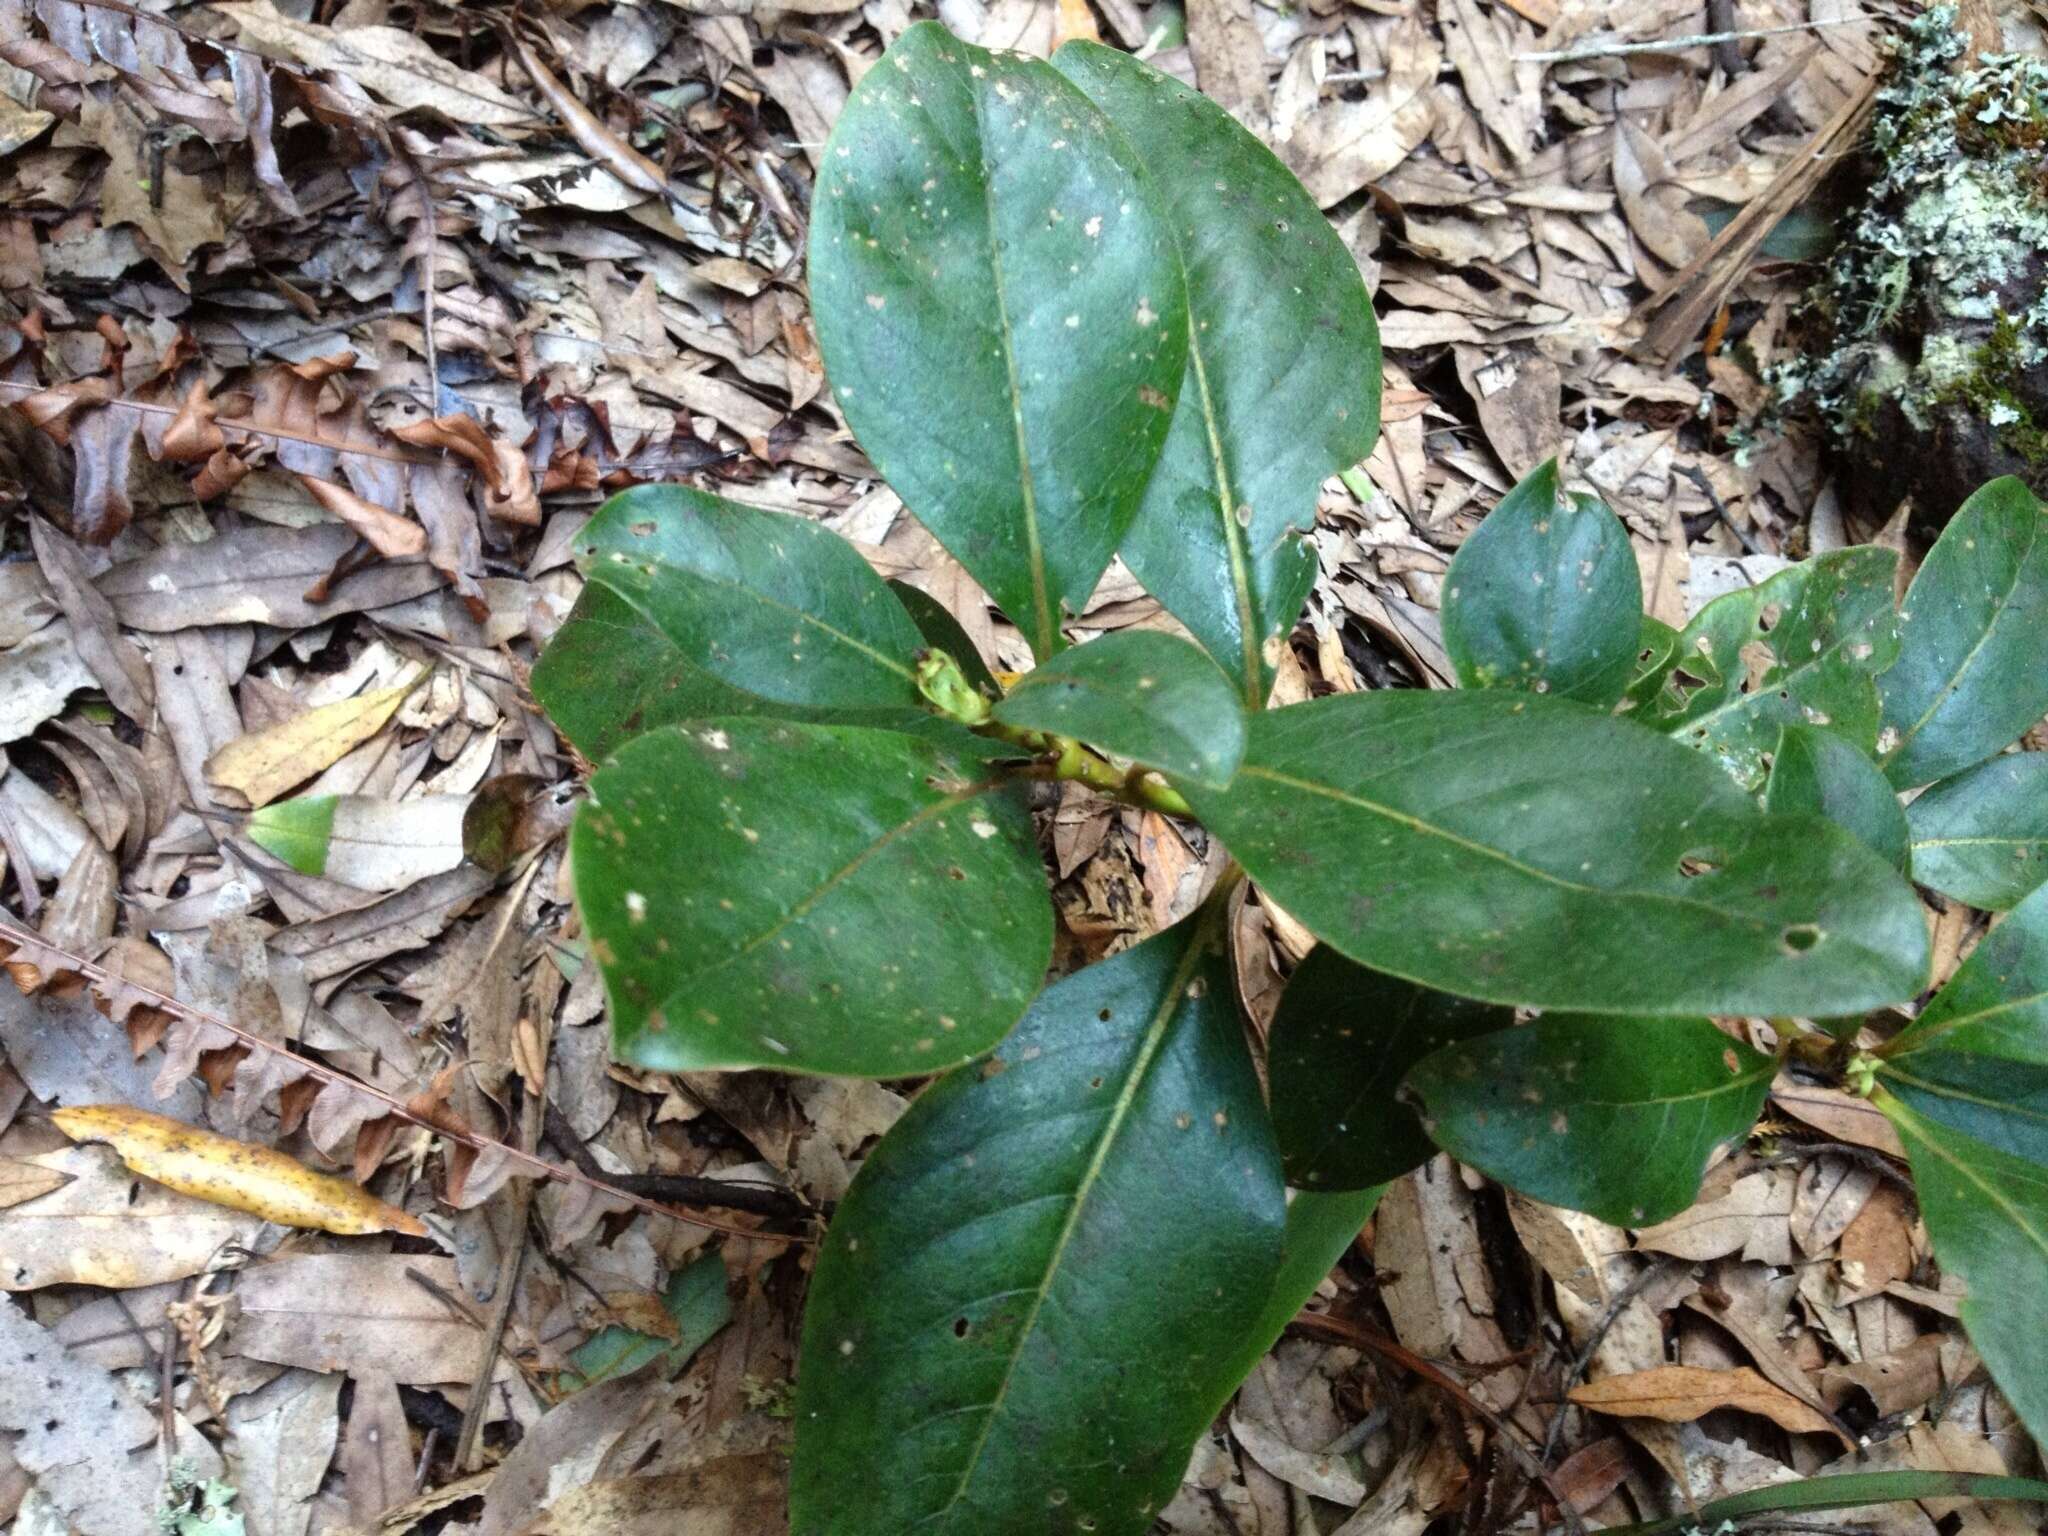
pixel 600 571
pixel 1233 535
pixel 1919 1038
pixel 1430 829
pixel 1911 1124
pixel 1045 639
pixel 2003 606
pixel 1127 1094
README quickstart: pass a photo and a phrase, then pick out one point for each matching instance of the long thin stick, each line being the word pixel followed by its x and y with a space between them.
pixel 1679 44
pixel 15 936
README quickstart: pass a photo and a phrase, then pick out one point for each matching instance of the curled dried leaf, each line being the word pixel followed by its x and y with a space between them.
pixel 235 1174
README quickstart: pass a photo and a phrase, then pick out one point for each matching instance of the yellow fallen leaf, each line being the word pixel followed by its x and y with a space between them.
pixel 1678 1394
pixel 235 1174
pixel 1075 20
pixel 264 764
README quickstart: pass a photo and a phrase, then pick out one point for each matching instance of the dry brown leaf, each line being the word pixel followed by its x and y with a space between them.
pixel 264 764
pixel 733 1496
pixel 236 1174
pixel 20 1181
pixel 1679 1394
pixel 388 61
pixel 386 532
pixel 504 469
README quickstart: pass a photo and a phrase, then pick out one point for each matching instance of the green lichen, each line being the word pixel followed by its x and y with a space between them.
pixel 1940 250
pixel 1987 387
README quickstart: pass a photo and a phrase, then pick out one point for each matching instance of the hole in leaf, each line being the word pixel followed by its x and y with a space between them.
pixel 1699 861
pixel 1801 937
pixel 960 1327
pixel 1104 1015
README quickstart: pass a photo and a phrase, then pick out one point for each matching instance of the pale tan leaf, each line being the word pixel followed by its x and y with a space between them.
pixel 264 764
pixel 102 1226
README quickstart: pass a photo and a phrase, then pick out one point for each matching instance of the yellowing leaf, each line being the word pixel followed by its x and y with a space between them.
pixel 1678 1394
pixel 264 764
pixel 235 1174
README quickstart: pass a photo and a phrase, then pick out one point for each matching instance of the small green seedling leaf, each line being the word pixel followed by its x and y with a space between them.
pixel 1982 836
pixel 1970 675
pixel 770 605
pixel 295 830
pixel 1139 695
pixel 1987 1214
pixel 1283 381
pixel 1001 311
pixel 942 632
pixel 1802 648
pixel 1034 1297
pixel 1545 596
pixel 812 898
pixel 1815 772
pixel 609 674
pixel 1976 1060
pixel 1617 1117
pixel 1342 1041
pixel 698 1306
pixel 1535 852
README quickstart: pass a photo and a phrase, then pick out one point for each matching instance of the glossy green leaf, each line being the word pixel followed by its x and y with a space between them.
pixel 1321 1226
pixel 696 1302
pixel 1618 1117
pixel 1987 1214
pixel 1545 596
pixel 942 632
pixel 1534 851
pixel 1283 382
pixel 1982 836
pixel 814 898
pixel 1815 772
pixel 1802 648
pixel 1001 313
pixel 1342 1041
pixel 1140 695
pixel 610 674
pixel 1034 1297
pixel 1972 672
pixel 1976 1059
pixel 1848 1490
pixel 768 604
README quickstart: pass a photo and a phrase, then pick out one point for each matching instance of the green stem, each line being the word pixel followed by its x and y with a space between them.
pixel 949 694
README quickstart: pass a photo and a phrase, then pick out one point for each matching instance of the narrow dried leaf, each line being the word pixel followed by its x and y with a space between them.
pixel 235 1174
pixel 264 764
pixel 1679 1394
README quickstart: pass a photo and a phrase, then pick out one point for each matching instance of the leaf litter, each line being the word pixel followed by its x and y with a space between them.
pixel 326 329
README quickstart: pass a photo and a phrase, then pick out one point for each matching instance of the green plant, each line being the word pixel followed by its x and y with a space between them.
pixel 1071 310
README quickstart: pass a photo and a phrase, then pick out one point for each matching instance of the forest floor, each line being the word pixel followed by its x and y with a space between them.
pixel 326 327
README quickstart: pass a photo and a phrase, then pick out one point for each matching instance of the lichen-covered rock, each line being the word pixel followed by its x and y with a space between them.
pixel 1934 374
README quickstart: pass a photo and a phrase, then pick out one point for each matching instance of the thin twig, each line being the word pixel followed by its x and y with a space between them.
pixel 1679 44
pixel 1584 1357
pixel 1361 1337
pixel 466 1457
pixel 14 935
